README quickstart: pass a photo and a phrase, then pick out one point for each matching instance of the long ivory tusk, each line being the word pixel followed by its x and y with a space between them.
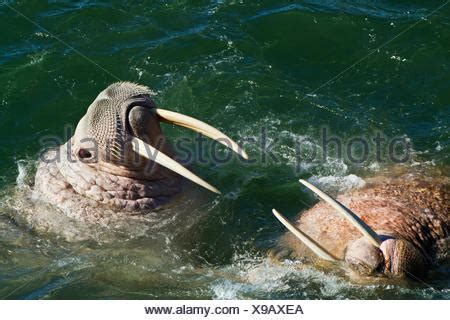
pixel 307 241
pixel 201 127
pixel 347 213
pixel 151 153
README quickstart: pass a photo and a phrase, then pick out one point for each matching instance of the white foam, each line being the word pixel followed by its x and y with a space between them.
pixel 255 276
pixel 338 183
pixel 398 58
pixel 249 276
pixel 374 166
pixel 23 172
pixel 226 290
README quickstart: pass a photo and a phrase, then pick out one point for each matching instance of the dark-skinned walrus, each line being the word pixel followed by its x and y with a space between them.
pixel 395 226
pixel 119 158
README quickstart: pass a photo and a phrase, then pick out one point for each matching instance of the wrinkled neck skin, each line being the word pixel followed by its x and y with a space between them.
pixel 83 190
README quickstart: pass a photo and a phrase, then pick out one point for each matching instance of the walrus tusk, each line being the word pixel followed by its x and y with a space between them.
pixel 201 127
pixel 307 241
pixel 347 213
pixel 151 153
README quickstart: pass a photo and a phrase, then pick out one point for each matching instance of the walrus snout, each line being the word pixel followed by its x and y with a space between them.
pixel 102 137
pixel 364 258
pixel 394 257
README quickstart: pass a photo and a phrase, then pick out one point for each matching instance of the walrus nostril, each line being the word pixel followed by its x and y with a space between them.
pixel 84 154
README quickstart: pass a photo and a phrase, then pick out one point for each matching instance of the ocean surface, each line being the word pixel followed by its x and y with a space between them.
pixel 272 73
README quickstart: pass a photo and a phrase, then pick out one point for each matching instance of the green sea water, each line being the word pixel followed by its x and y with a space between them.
pixel 284 70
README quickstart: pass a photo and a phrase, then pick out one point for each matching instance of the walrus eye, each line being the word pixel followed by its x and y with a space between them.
pixel 84 154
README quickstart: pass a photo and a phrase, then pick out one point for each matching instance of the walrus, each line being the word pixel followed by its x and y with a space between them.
pixel 118 157
pixel 393 226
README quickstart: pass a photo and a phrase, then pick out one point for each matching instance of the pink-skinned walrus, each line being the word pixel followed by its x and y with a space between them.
pixel 393 226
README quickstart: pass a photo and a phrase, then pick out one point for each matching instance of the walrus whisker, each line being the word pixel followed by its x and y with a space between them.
pixel 201 127
pixel 153 154
pixel 307 241
pixel 373 237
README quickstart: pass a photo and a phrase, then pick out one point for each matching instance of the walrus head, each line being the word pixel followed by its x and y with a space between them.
pixel 373 254
pixel 120 155
pixel 396 257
